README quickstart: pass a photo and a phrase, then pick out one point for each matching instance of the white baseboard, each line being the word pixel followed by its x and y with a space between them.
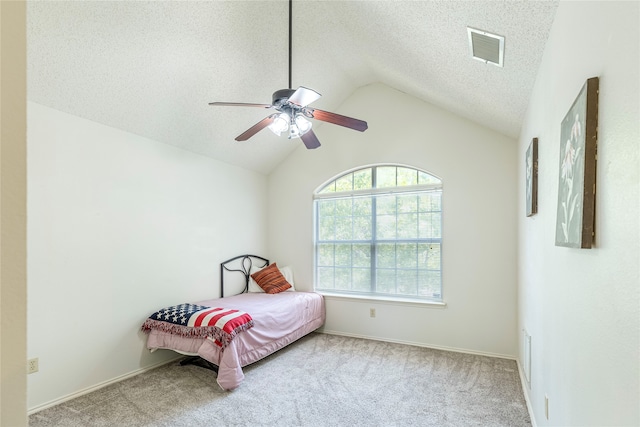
pixel 98 386
pixel 525 391
pixel 419 344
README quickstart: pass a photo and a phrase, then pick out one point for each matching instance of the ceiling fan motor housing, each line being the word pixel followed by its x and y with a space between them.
pixel 282 94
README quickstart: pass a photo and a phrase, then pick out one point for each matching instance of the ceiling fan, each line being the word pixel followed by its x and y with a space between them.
pixel 293 111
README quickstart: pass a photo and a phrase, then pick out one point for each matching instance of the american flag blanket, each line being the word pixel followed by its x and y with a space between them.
pixel 192 320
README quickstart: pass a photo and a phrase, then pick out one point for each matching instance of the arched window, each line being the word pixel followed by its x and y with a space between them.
pixel 378 232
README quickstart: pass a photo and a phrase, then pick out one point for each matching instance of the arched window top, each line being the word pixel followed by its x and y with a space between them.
pixel 380 177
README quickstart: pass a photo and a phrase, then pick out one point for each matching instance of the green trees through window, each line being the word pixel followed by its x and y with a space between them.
pixel 378 231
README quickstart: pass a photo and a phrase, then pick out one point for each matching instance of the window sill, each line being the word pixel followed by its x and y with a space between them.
pixel 385 300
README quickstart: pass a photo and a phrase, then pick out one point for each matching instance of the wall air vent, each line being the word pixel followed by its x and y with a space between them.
pixel 486 47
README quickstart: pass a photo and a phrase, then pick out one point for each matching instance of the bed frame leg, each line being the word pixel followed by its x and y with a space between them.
pixel 199 361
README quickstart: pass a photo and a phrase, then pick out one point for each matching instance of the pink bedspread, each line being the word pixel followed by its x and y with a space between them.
pixel 279 319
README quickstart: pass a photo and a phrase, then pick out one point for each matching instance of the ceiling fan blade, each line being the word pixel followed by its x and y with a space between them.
pixel 310 140
pixel 337 119
pixel 256 128
pixel 240 104
pixel 304 96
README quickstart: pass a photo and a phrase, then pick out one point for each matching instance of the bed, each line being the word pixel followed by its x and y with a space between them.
pixel 274 321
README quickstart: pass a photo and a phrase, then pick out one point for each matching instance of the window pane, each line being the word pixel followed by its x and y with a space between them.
pixel 426 230
pixel 362 218
pixel 433 257
pixel 326 207
pixel 362 206
pixel 407 282
pixel 385 176
pixel 343 255
pixel 345 183
pixel 386 255
pixel 326 228
pixel 362 279
pixel 429 202
pixel 344 207
pixel 344 229
pixel 407 203
pixel 425 178
pixel 436 220
pixel 386 281
pixel 362 228
pixel 423 255
pixel 386 227
pixel 408 226
pixel 430 226
pixel 437 202
pixel 429 284
pixel 386 205
pixel 325 254
pixel 435 283
pixel 361 256
pixel 362 179
pixel 343 279
pixel 407 176
pixel 407 255
pixel 325 277
pixel 329 188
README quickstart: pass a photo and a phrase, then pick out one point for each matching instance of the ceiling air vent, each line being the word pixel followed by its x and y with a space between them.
pixel 486 47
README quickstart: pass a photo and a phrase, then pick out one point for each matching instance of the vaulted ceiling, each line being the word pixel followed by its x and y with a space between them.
pixel 151 68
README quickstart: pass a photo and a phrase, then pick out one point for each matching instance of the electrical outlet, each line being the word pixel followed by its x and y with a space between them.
pixel 32 366
pixel 372 312
pixel 546 406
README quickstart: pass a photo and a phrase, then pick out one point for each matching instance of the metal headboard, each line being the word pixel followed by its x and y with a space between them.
pixel 243 266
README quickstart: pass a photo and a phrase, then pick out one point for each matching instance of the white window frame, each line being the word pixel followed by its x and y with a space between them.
pixel 399 190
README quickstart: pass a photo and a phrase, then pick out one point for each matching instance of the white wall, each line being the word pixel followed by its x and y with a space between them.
pixel 119 226
pixel 582 307
pixel 478 170
pixel 13 214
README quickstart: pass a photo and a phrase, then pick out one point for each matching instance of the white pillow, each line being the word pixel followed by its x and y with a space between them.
pixel 286 271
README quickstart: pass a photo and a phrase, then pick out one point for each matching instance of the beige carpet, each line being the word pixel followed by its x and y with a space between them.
pixel 321 380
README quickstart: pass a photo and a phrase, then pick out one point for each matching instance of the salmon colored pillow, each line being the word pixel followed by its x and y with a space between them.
pixel 271 280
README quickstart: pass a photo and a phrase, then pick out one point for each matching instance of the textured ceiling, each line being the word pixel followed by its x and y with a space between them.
pixel 151 68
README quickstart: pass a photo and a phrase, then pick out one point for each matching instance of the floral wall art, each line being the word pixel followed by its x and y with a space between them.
pixel 575 221
pixel 531 180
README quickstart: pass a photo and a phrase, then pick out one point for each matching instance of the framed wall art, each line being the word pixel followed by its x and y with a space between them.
pixel 531 179
pixel 575 220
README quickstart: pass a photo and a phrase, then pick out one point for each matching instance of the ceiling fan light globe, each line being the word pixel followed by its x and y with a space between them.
pixel 303 124
pixel 280 124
